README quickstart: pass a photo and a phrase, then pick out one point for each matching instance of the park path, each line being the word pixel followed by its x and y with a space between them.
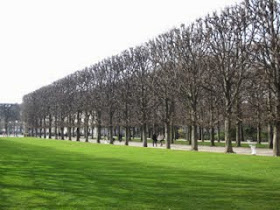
pixel 237 150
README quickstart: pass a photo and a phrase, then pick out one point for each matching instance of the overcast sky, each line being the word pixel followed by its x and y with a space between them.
pixel 44 40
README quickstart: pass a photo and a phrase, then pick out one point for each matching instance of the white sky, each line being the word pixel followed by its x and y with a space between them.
pixel 44 40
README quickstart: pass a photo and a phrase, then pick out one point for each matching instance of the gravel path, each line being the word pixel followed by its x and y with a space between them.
pixel 237 150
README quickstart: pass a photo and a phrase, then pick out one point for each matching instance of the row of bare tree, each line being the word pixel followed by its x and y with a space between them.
pixel 10 119
pixel 224 67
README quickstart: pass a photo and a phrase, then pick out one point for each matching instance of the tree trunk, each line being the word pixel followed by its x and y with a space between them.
pixel 69 128
pixel 242 132
pixel 259 138
pixel 119 133
pixel 40 128
pixel 55 127
pixel 219 132
pixel 270 136
pixel 237 134
pixel 167 124
pixel 269 127
pixel 237 124
pixel 194 145
pixel 45 128
pixel 86 126
pixel 212 137
pixel 98 133
pixel 141 134
pixel 228 143
pixel 50 126
pixel 36 130
pixel 199 133
pixel 259 125
pixel 6 127
pixel 73 127
pixel 194 138
pixel 133 132
pixel 62 128
pixel 202 134
pixel 92 132
pixel 98 139
pixel 212 130
pixel 127 135
pixel 173 132
pixel 144 135
pixel 276 137
pixel 111 129
pixel 167 135
pixel 78 127
pixel 276 128
pixel 62 132
pixel 190 134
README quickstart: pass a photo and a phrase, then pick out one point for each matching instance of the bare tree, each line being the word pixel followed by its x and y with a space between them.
pixel 191 51
pixel 267 55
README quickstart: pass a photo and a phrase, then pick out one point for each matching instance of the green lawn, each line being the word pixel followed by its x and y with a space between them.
pixel 54 174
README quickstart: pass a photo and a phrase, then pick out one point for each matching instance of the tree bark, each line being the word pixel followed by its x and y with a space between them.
pixel 98 127
pixel 55 127
pixel 194 145
pixel 144 135
pixel 219 131
pixel 127 135
pixel 45 129
pixel 172 133
pixel 69 128
pixel 190 134
pixel 111 129
pixel 202 134
pixel 62 128
pixel 40 128
pixel 194 138
pixel 237 123
pixel 212 136
pixel 167 124
pixel 237 134
pixel 167 135
pixel 242 132
pixel 276 137
pixel 212 130
pixel 259 138
pixel 86 126
pixel 276 128
pixel 270 136
pixel 228 143
pixel 133 132
pixel 119 133
pixel 78 126
pixel 50 126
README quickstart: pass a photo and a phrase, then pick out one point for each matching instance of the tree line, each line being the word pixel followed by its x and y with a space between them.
pixel 10 119
pixel 221 72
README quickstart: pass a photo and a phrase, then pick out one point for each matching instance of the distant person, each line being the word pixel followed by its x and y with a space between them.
pixel 120 137
pixel 154 137
pixel 161 139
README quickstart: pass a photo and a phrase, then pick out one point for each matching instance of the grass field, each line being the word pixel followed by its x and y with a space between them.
pixel 53 174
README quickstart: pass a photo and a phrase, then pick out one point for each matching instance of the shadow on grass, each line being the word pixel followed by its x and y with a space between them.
pixel 41 177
